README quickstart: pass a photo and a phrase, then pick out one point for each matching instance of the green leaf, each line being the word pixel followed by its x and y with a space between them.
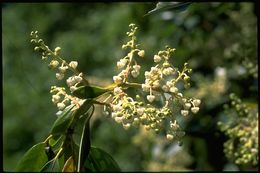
pixel 164 6
pixel 89 92
pixel 83 109
pixel 53 142
pixel 63 121
pixel 84 144
pixel 51 166
pixel 69 166
pixel 99 160
pixel 33 160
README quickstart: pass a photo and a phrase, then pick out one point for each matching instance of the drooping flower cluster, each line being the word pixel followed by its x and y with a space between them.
pixel 61 66
pixel 241 126
pixel 160 85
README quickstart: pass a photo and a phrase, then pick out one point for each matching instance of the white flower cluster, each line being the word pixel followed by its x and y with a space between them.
pixel 128 64
pixel 161 84
pixel 61 99
pixel 130 112
pixel 163 78
pixel 72 83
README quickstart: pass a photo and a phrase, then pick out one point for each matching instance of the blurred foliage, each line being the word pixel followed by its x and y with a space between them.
pixel 218 40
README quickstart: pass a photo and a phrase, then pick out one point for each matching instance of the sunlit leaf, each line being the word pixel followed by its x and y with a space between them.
pixel 99 160
pixel 33 160
pixel 90 92
pixel 69 166
pixel 164 6
pixel 84 144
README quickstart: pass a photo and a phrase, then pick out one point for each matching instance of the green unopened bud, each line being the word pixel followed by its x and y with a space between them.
pixel 186 78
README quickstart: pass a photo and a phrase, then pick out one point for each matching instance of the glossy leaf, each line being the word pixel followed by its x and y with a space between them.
pixel 69 166
pixel 99 160
pixel 51 166
pixel 83 108
pixel 164 6
pixel 33 160
pixel 53 142
pixel 84 144
pixel 63 121
pixel 90 92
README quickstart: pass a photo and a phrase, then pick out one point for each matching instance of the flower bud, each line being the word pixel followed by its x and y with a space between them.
pixel 36 48
pixel 134 73
pixel 166 64
pixel 117 79
pixel 140 111
pixel 40 41
pixel 61 106
pixel 145 87
pixel 156 84
pixel 141 53
pixel 131 25
pixel 63 69
pixel 120 64
pixel 184 112
pixel 118 119
pixel 195 109
pixel 33 41
pixel 187 105
pixel 157 58
pixel 57 50
pixel 173 89
pixel 78 79
pixel 136 67
pixel 59 76
pixel 124 46
pixel 196 102
pixel 54 64
pixel 73 64
pixel 150 98
pixel 73 88
pixel 114 115
pixel 169 136
pixel 117 90
pixel 165 88
pixel 126 126
pixel 180 95
pixel 55 99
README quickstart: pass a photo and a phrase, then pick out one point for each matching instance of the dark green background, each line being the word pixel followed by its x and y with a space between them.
pixel 206 35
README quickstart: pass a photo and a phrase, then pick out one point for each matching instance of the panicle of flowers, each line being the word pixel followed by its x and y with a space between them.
pixel 61 99
pixel 128 65
pixel 160 85
pixel 241 126
pixel 61 67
